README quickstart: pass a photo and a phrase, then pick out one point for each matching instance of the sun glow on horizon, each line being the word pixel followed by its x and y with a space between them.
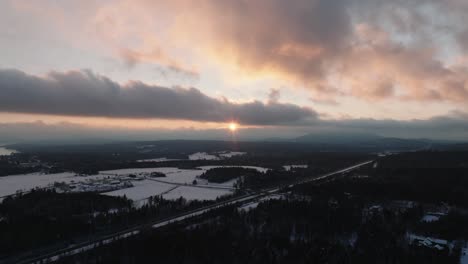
pixel 233 126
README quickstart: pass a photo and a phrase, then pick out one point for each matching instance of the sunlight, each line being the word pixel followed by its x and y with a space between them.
pixel 233 126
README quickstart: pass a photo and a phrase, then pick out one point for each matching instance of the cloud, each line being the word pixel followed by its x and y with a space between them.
pixel 83 93
pixel 357 48
pixel 337 49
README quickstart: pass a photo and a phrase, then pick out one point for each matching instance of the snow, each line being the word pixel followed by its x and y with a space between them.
pixel 23 182
pixel 136 171
pixel 142 190
pixel 259 169
pixel 464 255
pixel 430 218
pixel 430 242
pixel 249 206
pixel 253 205
pixel 289 167
pixel 230 154
pixel 6 152
pixel 174 175
pixel 202 156
pixel 157 160
pixel 194 193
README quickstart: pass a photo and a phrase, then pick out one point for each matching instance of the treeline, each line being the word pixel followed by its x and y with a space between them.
pixel 279 231
pixel 435 185
pixel 44 218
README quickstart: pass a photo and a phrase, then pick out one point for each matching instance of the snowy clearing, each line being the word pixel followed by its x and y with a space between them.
pixel 142 190
pixel 259 169
pixel 157 160
pixel 432 216
pixel 6 152
pixel 230 154
pixel 202 156
pixel 24 182
pixel 464 255
pixel 289 167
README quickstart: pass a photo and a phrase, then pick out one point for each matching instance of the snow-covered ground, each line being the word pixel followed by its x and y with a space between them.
pixel 24 182
pixel 254 204
pixel 259 169
pixel 215 156
pixel 177 183
pixel 142 190
pixel 429 242
pixel 203 156
pixel 6 152
pixel 432 217
pixel 464 255
pixel 157 160
pixel 289 167
pixel 230 154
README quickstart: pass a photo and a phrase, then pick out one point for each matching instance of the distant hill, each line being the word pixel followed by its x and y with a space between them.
pixel 363 141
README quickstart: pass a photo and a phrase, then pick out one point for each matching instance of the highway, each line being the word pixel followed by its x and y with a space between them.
pixel 238 201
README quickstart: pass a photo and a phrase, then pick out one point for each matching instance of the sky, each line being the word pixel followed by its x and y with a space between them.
pixel 163 69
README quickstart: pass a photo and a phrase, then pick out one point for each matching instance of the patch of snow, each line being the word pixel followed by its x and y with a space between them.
pixel 157 160
pixel 289 167
pixel 230 154
pixel 202 156
pixel 24 182
pixel 259 169
pixel 142 190
pixel 6 152
pixel 430 218
pixel 252 205
pixel 464 255
pixel 249 206
pixel 430 242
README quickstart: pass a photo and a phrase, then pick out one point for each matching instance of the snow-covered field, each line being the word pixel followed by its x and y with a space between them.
pixel 142 190
pixel 289 167
pixel 11 184
pixel 432 217
pixel 230 154
pixel 24 182
pixel 181 178
pixel 157 160
pixel 202 156
pixel 259 169
pixel 464 256
pixel 6 152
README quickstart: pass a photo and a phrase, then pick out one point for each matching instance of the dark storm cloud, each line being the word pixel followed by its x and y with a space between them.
pixel 83 93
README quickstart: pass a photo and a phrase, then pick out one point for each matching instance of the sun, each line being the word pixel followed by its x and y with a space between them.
pixel 233 126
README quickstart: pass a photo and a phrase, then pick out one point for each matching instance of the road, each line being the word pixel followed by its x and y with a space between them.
pixel 85 246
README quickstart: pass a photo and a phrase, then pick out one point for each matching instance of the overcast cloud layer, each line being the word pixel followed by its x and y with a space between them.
pixel 82 93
